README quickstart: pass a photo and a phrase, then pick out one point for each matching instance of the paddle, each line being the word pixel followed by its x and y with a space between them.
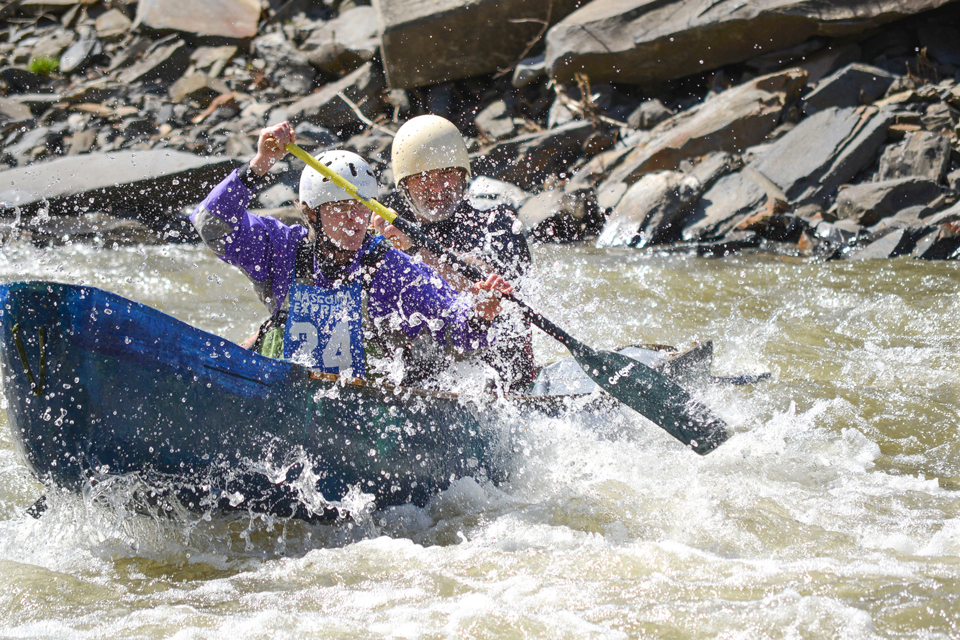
pixel 641 388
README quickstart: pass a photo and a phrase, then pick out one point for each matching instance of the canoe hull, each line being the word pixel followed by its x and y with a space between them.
pixel 99 385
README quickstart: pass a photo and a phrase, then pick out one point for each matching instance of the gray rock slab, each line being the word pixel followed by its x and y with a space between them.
pixel 870 202
pixel 212 59
pixel 731 199
pixel 851 86
pixel 147 183
pixel 598 168
pixel 731 121
pixel 921 153
pixel 485 193
pixel 665 195
pixel 924 243
pixel 527 159
pixel 651 210
pixel 643 41
pixel 496 121
pixel 236 19
pixel 79 53
pixel 364 87
pixel 528 70
pixel 22 150
pixel 199 87
pixel 13 111
pixel 953 180
pixel 166 61
pixel 286 66
pixel 823 151
pixel 649 114
pixel 950 214
pixel 544 206
pixel 426 42
pixel 940 117
pixel 344 43
pixel 313 136
pixel 112 25
pixel 896 242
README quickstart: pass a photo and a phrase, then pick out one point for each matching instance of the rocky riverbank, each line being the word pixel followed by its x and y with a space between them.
pixel 683 125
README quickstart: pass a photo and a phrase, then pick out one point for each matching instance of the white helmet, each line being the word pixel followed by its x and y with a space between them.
pixel 315 189
pixel 426 143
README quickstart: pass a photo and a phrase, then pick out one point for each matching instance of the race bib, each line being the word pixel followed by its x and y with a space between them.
pixel 324 329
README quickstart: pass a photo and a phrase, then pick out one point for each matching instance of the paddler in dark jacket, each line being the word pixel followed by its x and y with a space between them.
pixel 334 290
pixel 431 167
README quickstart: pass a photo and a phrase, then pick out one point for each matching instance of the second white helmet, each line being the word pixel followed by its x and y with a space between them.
pixel 316 189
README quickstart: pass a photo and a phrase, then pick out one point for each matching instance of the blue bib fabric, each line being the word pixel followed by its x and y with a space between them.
pixel 325 329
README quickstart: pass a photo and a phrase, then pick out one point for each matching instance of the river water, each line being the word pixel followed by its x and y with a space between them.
pixel 833 512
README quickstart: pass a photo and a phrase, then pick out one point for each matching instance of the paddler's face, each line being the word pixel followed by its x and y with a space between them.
pixel 344 223
pixel 437 193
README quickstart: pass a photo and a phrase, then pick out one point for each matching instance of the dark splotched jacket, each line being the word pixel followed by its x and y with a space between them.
pixel 494 236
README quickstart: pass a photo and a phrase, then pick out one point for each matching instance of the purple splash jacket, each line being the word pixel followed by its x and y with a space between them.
pixel 403 295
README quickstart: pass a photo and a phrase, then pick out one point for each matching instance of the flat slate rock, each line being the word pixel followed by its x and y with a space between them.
pixel 851 86
pixel 823 151
pixel 527 159
pixel 427 42
pixel 164 61
pixel 145 183
pixel 235 19
pixel 731 199
pixel 870 202
pixel 644 41
pixel 344 43
pixel 662 194
pixel 325 108
pixel 731 121
pixel 923 154
pixel 897 242
pixel 652 209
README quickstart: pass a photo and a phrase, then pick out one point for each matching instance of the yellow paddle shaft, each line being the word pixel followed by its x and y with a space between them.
pixel 387 214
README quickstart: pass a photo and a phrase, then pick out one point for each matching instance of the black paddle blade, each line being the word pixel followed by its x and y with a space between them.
pixel 655 396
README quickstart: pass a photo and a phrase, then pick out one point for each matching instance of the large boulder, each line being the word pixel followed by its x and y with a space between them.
pixel 804 167
pixel 343 44
pixel 731 199
pixel 921 153
pixel 286 66
pixel 556 216
pixel 364 87
pixel 851 86
pixel 643 41
pixel 823 151
pixel 226 18
pixel 652 208
pixel 153 185
pixel 665 194
pixel 730 121
pixel 431 41
pixel 165 61
pixel 527 159
pixel 868 203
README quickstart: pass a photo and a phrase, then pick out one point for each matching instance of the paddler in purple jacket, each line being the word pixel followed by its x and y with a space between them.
pixel 337 293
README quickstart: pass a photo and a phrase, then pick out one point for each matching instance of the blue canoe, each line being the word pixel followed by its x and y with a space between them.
pixel 98 385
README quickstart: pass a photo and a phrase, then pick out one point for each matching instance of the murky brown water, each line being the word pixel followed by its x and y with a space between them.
pixel 833 513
